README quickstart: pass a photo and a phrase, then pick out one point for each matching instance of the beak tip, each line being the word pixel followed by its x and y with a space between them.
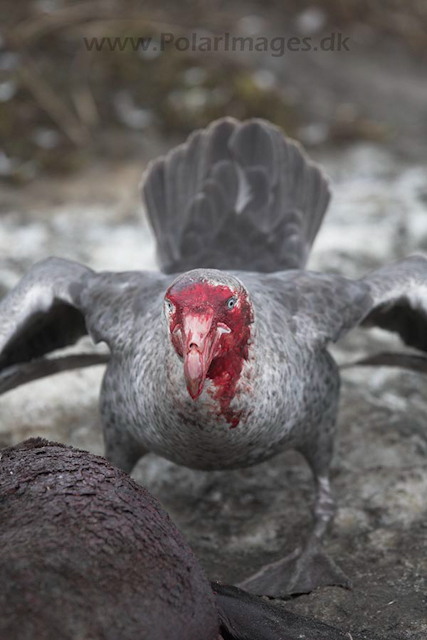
pixel 194 395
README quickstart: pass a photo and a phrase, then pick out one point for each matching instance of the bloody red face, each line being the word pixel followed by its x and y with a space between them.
pixel 208 324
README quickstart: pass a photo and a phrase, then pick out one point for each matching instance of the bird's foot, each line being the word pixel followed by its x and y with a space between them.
pixel 299 572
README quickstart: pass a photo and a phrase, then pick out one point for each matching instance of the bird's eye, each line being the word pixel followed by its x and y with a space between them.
pixel 169 305
pixel 231 302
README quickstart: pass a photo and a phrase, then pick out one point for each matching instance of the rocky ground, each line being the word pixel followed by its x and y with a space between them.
pixel 238 520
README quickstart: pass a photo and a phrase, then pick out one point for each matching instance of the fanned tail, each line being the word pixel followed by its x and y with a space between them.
pixel 236 195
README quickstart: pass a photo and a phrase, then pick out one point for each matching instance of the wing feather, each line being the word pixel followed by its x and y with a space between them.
pixel 59 301
pixel 39 314
pixel 399 294
pixel 324 307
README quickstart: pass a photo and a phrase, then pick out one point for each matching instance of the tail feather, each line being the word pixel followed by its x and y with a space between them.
pixel 235 196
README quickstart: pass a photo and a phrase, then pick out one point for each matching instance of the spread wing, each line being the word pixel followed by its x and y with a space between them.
pixel 316 308
pixel 399 295
pixel 60 301
pixel 40 314
pixel 321 308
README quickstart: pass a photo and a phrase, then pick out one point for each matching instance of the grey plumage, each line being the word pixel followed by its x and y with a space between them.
pixel 241 197
pixel 399 293
pixel 39 314
pixel 232 181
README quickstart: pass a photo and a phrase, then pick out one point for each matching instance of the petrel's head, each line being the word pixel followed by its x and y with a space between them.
pixel 209 313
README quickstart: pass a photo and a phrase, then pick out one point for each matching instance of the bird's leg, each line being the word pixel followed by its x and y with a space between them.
pixel 120 448
pixel 124 456
pixel 314 568
pixel 304 570
pixel 324 509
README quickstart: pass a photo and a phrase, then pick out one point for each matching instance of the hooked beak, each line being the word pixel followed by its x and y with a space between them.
pixel 200 341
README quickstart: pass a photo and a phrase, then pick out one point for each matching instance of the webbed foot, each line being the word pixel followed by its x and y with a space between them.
pixel 299 572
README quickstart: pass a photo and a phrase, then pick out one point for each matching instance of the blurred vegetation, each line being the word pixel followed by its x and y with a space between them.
pixel 57 99
pixel 405 20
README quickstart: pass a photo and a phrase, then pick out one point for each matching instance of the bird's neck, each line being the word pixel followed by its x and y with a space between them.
pixel 225 372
